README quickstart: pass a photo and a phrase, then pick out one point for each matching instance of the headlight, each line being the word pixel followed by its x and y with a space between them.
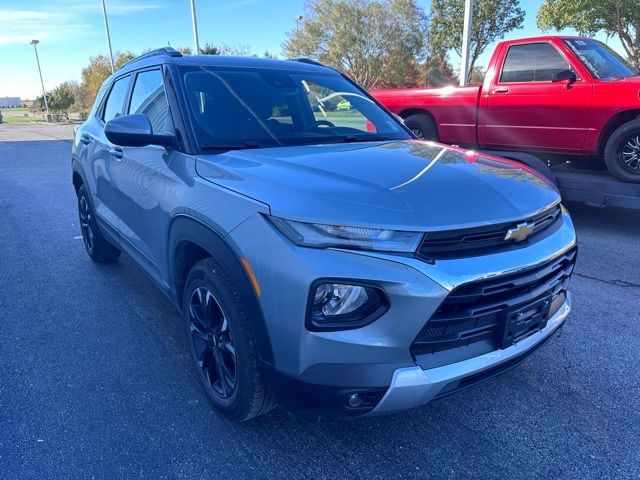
pixel 341 306
pixel 323 236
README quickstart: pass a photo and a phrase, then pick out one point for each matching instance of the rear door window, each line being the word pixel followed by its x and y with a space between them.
pixel 115 101
pixel 533 62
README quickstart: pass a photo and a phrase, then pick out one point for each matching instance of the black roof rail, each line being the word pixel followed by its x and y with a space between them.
pixel 171 52
pixel 308 61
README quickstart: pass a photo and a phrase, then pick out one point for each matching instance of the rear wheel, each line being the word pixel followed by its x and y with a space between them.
pixel 622 152
pixel 422 126
pixel 99 248
pixel 221 342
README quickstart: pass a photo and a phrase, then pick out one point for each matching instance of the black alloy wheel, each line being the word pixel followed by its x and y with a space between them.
pixel 212 342
pixel 84 213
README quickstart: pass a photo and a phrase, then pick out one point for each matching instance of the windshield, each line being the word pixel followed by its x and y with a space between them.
pixel 252 108
pixel 599 59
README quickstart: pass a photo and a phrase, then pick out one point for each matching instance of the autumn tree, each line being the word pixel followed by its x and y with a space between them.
pixel 492 19
pixel 614 17
pixel 375 42
pixel 438 70
pixel 98 70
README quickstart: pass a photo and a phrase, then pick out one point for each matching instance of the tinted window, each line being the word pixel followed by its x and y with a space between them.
pixel 148 97
pixel 266 107
pixel 115 101
pixel 535 62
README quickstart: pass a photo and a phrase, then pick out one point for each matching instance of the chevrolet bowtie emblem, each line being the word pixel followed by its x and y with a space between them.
pixel 520 232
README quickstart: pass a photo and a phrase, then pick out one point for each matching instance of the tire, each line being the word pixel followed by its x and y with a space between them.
pixel 622 152
pixel 222 344
pixel 98 248
pixel 422 126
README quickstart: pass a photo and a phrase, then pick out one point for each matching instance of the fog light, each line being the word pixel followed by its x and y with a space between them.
pixel 339 306
pixel 355 400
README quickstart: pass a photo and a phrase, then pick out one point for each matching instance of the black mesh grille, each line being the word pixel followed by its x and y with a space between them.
pixel 452 243
pixel 472 312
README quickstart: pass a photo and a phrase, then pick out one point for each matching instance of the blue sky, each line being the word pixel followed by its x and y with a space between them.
pixel 71 31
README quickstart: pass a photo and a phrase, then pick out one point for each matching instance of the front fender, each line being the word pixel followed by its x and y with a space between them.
pixel 184 228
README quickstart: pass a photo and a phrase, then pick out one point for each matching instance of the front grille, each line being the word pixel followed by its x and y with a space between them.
pixel 485 239
pixel 472 313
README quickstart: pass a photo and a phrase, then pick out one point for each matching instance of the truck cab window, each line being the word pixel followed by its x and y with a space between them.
pixel 533 62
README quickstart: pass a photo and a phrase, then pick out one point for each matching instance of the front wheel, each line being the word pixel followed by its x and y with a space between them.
pixel 221 342
pixel 622 152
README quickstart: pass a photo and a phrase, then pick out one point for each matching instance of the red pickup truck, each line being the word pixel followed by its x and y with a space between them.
pixel 550 94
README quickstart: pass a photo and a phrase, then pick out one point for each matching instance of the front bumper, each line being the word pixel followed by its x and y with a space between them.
pixel 412 386
pixel 317 370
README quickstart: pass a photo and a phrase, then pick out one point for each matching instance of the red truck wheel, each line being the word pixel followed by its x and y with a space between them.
pixel 422 126
pixel 622 152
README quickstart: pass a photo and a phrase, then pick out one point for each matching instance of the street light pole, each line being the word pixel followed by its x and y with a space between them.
pixel 195 27
pixel 106 27
pixel 44 93
pixel 466 38
pixel 298 20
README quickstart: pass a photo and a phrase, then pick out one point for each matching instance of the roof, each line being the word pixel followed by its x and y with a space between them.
pixel 539 38
pixel 165 56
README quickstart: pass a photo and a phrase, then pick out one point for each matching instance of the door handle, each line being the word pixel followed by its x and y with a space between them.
pixel 85 139
pixel 116 152
pixel 501 90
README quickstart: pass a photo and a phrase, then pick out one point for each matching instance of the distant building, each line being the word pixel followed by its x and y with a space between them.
pixel 9 102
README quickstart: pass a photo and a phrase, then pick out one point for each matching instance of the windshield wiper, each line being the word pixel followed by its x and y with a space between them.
pixel 243 146
pixel 368 138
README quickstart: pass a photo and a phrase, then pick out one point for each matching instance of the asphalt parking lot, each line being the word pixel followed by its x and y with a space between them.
pixel 95 380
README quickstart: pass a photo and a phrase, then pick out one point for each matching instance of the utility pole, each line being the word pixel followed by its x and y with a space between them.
pixel 106 27
pixel 298 20
pixel 195 27
pixel 44 93
pixel 466 34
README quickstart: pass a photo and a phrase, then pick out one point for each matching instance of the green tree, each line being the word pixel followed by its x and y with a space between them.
pixel 185 50
pixel 59 99
pixel 122 58
pixel 614 17
pixel 375 42
pixel 492 19
pixel 224 49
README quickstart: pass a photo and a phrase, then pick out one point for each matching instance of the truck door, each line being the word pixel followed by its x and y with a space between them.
pixel 525 109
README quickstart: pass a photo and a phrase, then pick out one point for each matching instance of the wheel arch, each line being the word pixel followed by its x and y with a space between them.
pixel 77 176
pixel 613 124
pixel 191 241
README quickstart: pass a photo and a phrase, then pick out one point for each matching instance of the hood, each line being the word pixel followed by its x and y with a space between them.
pixel 404 185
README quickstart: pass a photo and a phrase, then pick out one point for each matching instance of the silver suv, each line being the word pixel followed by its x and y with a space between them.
pixel 321 257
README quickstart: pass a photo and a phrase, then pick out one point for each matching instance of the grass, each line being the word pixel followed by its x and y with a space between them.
pixel 12 119
pixel 17 115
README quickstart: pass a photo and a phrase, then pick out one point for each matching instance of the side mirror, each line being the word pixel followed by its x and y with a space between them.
pixel 563 75
pixel 135 131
